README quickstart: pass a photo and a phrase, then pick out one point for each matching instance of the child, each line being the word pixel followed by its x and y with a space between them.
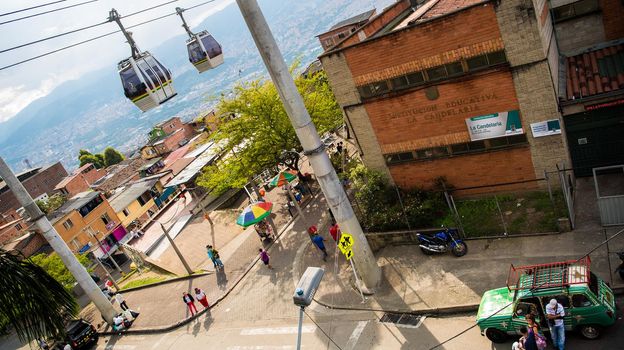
pixel 190 302
pixel 201 297
pixel 264 256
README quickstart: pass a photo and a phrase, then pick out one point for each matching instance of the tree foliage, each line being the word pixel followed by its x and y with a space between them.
pixel 257 128
pixel 54 266
pixel 31 300
pixel 109 157
pixel 54 202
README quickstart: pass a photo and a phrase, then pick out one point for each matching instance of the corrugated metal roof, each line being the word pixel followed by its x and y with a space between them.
pixel 211 151
pixel 353 20
pixel 123 199
pixel 595 72
pixel 74 203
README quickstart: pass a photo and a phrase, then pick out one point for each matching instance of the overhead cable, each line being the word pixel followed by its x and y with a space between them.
pixel 30 8
pixel 46 12
pixel 95 38
pixel 80 29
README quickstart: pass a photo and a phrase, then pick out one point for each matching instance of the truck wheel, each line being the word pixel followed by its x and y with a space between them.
pixel 459 249
pixel 590 331
pixel 496 335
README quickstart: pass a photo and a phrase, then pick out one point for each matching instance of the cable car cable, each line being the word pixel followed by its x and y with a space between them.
pixel 30 8
pixel 79 29
pixel 95 38
pixel 46 12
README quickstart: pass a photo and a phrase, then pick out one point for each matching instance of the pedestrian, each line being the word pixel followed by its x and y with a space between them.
pixel 312 231
pixel 318 242
pixel 334 231
pixel 264 256
pixel 190 302
pixel 261 194
pixel 121 300
pixel 339 147
pixel 555 314
pixel 211 255
pixel 521 344
pixel 540 340
pixel 201 297
pixel 217 258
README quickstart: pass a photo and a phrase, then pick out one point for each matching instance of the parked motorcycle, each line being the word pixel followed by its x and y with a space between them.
pixel 442 241
pixel 620 269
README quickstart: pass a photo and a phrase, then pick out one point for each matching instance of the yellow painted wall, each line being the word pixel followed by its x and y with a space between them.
pixel 81 225
pixel 136 211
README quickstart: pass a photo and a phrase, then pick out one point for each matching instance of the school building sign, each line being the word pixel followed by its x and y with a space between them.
pixel 494 125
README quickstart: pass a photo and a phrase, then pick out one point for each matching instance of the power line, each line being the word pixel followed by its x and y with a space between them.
pixel 30 8
pixel 81 29
pixel 94 38
pixel 321 329
pixel 46 12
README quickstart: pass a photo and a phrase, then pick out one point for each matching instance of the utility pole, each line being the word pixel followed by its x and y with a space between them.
pixel 310 140
pixel 56 242
pixel 175 248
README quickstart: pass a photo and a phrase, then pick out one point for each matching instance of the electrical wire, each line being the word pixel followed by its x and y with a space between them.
pixel 46 12
pixel 30 8
pixel 81 29
pixel 321 329
pixel 94 38
pixel 511 303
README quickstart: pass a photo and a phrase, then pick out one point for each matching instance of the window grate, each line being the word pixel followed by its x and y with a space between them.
pixel 402 320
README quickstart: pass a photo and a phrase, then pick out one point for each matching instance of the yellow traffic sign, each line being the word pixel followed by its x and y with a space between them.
pixel 346 242
pixel 349 254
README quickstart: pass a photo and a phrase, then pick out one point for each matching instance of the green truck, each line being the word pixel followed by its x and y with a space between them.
pixel 588 301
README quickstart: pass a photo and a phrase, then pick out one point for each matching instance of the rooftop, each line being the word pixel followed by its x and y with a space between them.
pixel 595 71
pixel 68 179
pixel 433 9
pixel 123 199
pixel 364 16
pixel 74 203
pixel 21 176
pixel 203 155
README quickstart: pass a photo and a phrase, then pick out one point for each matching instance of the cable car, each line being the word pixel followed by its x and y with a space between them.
pixel 146 82
pixel 203 50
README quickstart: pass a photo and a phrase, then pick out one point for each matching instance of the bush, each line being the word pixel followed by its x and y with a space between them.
pixel 54 266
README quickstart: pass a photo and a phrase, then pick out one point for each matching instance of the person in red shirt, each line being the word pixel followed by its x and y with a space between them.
pixel 334 231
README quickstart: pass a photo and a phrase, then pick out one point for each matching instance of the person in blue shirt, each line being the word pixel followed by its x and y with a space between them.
pixel 318 242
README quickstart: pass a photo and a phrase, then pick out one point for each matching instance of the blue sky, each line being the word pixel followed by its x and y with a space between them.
pixel 23 84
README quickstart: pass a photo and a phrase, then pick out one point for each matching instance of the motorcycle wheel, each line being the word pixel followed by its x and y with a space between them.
pixel 426 252
pixel 459 249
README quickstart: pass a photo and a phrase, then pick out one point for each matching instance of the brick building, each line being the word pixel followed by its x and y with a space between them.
pixel 39 182
pixel 80 180
pixel 452 88
pixel 166 137
pixel 343 29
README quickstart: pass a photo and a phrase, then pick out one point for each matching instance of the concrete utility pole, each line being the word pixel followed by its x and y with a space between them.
pixel 310 140
pixel 56 242
pixel 175 248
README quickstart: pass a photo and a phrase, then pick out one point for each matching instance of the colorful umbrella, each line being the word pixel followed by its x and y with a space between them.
pixel 254 213
pixel 283 178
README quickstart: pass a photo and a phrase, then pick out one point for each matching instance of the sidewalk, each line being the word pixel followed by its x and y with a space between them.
pixel 414 282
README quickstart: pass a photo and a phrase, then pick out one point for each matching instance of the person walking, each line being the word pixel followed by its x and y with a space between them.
pixel 540 340
pixel 201 297
pixel 334 231
pixel 217 258
pixel 121 300
pixel 211 255
pixel 318 242
pixel 264 256
pixel 555 314
pixel 190 302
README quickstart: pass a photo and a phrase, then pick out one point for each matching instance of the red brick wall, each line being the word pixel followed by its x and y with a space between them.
pixel 613 18
pixel 471 170
pixel 172 125
pixel 36 185
pixel 379 21
pixel 412 116
pixel 472 26
pixel 10 233
pixel 34 245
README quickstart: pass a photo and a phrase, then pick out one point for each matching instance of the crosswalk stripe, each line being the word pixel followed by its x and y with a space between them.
pixel 353 339
pixel 277 330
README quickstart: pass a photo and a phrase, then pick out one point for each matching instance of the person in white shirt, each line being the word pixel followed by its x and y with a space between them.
pixel 67 347
pixel 555 314
pixel 121 300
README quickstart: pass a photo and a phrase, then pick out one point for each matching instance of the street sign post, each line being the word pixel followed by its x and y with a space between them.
pixel 346 247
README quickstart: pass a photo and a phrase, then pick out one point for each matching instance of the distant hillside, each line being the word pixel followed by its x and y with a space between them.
pixel 92 112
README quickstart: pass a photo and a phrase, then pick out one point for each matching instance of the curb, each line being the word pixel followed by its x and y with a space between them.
pixel 185 321
pixel 442 311
pixel 175 279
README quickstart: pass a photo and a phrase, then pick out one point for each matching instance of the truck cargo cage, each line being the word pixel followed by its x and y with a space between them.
pixel 551 275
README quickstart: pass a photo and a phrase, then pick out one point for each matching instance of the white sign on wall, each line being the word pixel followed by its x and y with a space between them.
pixel 494 125
pixel 546 128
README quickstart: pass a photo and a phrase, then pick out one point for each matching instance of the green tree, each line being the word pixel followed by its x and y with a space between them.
pixel 260 130
pixel 54 202
pixel 54 266
pixel 112 156
pixel 31 300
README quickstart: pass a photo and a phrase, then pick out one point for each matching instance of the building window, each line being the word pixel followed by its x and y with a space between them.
pixel 454 69
pixel 106 219
pixel 497 57
pixel 18 227
pixel 341 35
pixel 126 212
pixel 68 224
pixel 477 62
pixel 457 149
pixel 416 78
pixel 574 9
pixel 75 243
pixel 141 201
pixel 436 73
pixel 400 82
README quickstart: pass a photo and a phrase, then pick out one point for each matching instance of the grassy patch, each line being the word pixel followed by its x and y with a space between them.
pixel 143 281
pixel 529 212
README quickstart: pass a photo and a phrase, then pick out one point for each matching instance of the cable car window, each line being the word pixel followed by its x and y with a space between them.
pixel 157 68
pixel 133 87
pixel 149 82
pixel 195 51
pixel 165 70
pixel 150 73
pixel 212 46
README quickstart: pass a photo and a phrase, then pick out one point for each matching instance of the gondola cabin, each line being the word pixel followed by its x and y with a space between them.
pixel 146 82
pixel 204 51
